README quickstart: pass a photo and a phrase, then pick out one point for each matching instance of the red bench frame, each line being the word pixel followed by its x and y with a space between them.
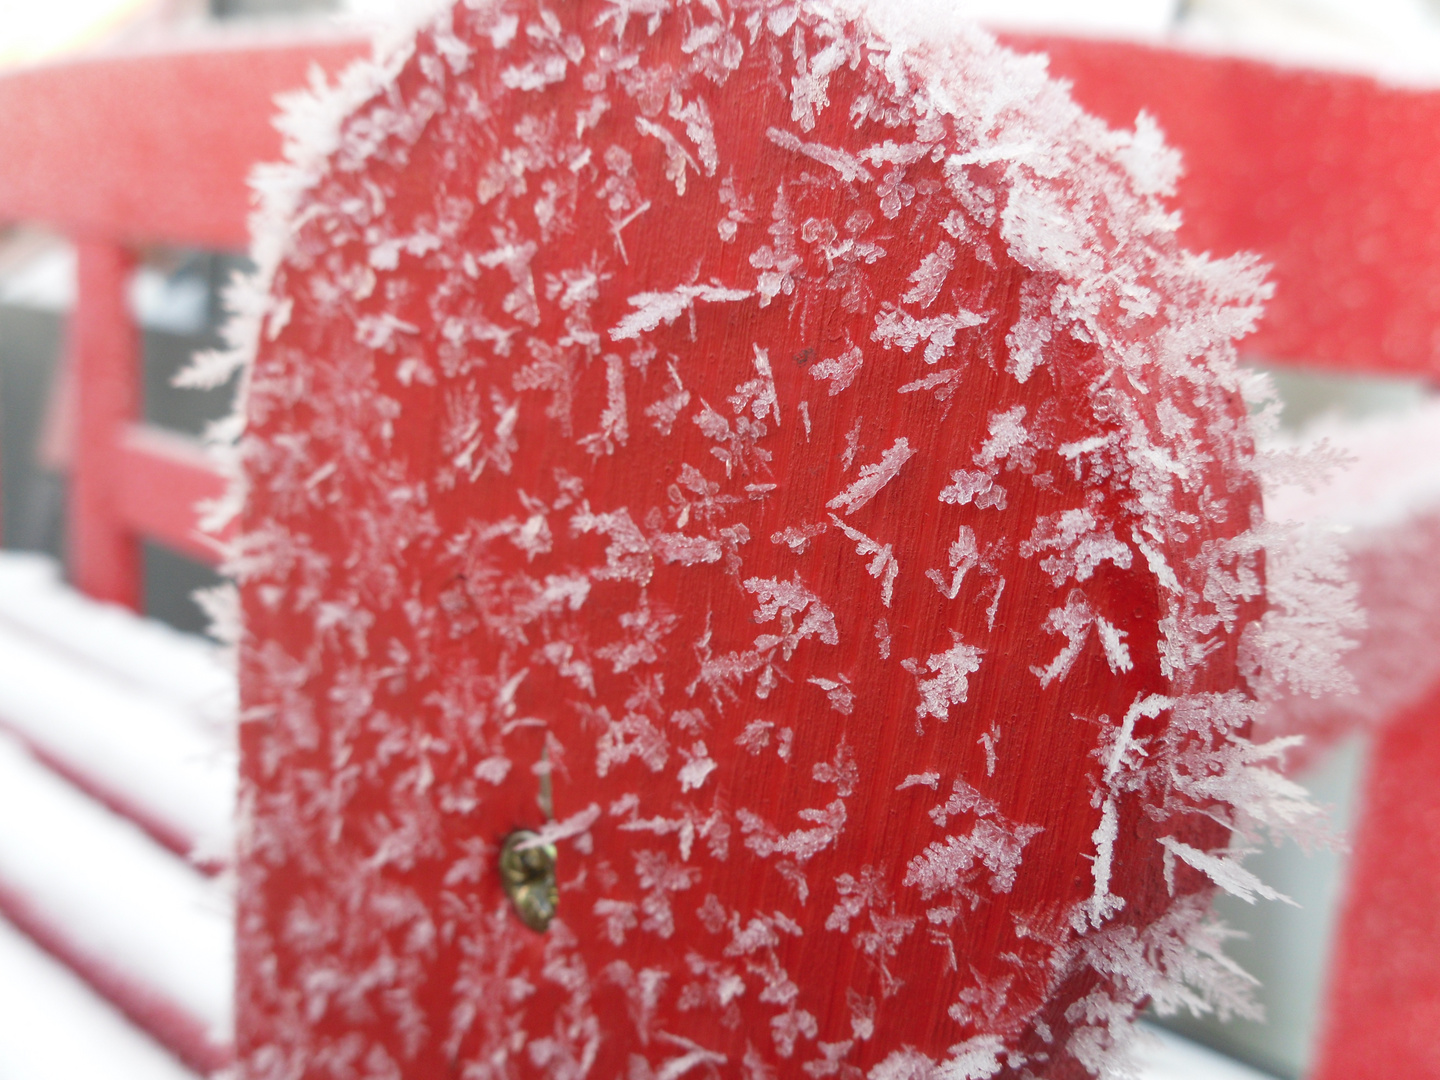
pixel 117 152
pixel 1333 179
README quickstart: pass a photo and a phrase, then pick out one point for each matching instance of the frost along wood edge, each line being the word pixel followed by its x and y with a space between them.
pixel 799 442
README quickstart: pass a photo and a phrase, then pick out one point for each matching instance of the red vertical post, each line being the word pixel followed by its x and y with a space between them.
pixel 1383 1001
pixel 104 555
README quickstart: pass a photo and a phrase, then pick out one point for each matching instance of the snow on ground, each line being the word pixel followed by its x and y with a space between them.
pixel 1382 505
pixel 1398 40
pixel 181 668
pixel 97 703
pixel 141 752
pixel 1127 18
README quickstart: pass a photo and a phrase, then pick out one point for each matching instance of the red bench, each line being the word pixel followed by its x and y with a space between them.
pixel 1331 178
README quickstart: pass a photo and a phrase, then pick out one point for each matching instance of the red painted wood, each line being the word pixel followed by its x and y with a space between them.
pixel 1382 1010
pixel 489 523
pixel 151 147
pixel 104 346
pixel 162 479
pixel 1332 178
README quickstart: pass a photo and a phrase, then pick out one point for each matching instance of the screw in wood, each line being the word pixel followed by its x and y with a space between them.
pixel 527 870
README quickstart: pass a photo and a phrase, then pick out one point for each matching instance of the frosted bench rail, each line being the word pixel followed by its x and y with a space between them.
pixel 113 898
pixel 54 1027
pixel 137 714
pixel 114 767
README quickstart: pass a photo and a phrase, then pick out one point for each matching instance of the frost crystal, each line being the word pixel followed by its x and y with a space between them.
pixel 943 680
pixel 873 478
pixel 839 371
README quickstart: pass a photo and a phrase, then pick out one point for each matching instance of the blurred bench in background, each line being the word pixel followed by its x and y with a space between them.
pixel 116 760
pixel 116 735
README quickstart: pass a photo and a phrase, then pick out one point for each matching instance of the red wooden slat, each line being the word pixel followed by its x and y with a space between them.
pixel 1382 1011
pixel 104 347
pixel 162 832
pixel 1332 178
pixel 168 1022
pixel 162 476
pixel 149 148
pixel 141 148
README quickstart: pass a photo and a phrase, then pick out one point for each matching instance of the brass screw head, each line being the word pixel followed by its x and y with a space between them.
pixel 527 870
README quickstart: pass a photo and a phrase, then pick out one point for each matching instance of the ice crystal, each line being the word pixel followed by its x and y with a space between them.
pixel 873 478
pixel 943 679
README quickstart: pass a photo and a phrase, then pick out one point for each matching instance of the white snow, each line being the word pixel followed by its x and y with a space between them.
pixel 839 370
pixel 900 329
pixel 1163 1055
pixel 154 756
pixel 39 273
pixel 180 668
pixel 144 716
pixel 654 308
pixel 847 165
pixel 883 566
pixel 115 894
pixel 1227 873
pixel 1100 17
pixel 948 683
pixel 177 305
pixel 54 1027
pixel 1385 471
pixel 1379 509
pixel 1398 40
pixel 1104 903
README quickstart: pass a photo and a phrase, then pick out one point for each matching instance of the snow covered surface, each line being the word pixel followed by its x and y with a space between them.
pixel 1162 1055
pixel 182 669
pixel 117 896
pixel 1397 40
pixel 142 717
pixel 39 272
pixel 137 711
pixel 1386 471
pixel 54 1027
pixel 1127 18
pixel 43 277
